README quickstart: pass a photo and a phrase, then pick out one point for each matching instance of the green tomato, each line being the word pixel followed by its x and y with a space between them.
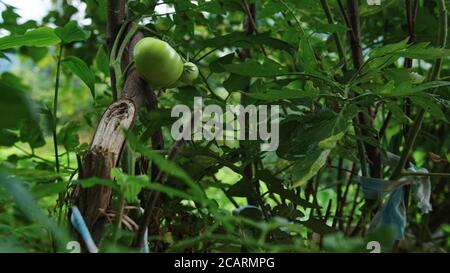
pixel 190 73
pixel 157 62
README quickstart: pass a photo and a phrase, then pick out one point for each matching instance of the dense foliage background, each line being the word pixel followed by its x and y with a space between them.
pixel 354 85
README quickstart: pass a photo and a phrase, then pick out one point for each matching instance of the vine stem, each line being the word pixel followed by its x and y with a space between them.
pixel 112 59
pixel 414 131
pixel 120 52
pixel 55 108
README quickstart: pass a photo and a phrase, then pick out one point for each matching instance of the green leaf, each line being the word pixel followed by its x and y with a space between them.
pixel 306 56
pixel 389 49
pixel 39 37
pixel 340 126
pixel 80 68
pixel 71 32
pixel 33 175
pixel 318 151
pixel 415 51
pixel 426 86
pixel 216 65
pixel 130 186
pixel 424 52
pixel 102 61
pixel 265 39
pixel 430 105
pixel 68 136
pixel 309 166
pixel 44 190
pixel 94 181
pixel 8 138
pixel 14 106
pixel 398 113
pixel 236 82
pixel 10 23
pixel 252 68
pixel 31 132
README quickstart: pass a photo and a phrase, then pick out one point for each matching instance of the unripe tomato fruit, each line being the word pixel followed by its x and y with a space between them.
pixel 157 62
pixel 190 73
